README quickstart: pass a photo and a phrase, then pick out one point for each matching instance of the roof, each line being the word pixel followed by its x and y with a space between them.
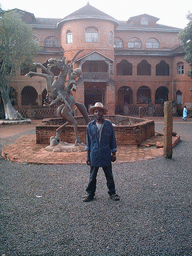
pixel 46 23
pixel 96 56
pixel 124 25
pixel 88 12
pixel 143 15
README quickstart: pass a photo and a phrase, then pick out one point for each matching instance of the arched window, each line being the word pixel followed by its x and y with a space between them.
pixel 162 69
pixel 143 68
pixel 91 35
pixel 111 37
pixel 180 68
pixel 51 41
pixel 143 95
pixel 144 21
pixel 118 42
pixel 179 97
pixel 69 37
pixel 134 43
pixel 152 43
pixel 124 68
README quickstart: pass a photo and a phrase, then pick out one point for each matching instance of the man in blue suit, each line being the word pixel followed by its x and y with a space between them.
pixel 101 151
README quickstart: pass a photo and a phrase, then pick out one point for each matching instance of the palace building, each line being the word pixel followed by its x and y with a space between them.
pixel 125 64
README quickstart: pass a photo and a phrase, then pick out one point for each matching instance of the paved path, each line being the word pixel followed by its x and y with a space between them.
pixel 25 149
pixel 42 211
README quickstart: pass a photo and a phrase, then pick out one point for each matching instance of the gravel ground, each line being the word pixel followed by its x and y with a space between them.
pixel 42 212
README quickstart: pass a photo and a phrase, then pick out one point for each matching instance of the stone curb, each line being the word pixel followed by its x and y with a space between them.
pixel 26 151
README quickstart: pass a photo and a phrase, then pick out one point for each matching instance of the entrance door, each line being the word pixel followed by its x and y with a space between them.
pixel 92 96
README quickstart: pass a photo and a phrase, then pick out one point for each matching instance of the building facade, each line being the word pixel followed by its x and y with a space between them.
pixel 125 64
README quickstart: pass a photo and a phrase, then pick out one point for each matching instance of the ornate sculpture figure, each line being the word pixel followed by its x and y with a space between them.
pixel 57 92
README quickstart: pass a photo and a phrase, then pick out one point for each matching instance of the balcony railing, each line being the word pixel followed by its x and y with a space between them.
pixel 95 76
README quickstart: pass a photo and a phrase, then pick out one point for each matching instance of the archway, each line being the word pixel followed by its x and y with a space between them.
pixel 92 96
pixel 179 97
pixel 125 97
pixel 143 95
pixel 29 96
pixel 161 95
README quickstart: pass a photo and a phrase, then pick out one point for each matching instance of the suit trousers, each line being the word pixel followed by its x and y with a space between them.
pixel 91 188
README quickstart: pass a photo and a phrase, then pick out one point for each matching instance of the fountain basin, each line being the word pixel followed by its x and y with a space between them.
pixel 128 130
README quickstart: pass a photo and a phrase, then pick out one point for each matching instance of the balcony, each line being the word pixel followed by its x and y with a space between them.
pixel 95 76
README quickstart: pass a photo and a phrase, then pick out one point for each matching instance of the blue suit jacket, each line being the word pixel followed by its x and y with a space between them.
pixel 100 151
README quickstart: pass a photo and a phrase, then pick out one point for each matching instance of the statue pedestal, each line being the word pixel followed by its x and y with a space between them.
pixel 66 147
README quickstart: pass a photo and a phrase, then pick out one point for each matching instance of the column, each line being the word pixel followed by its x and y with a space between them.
pixel 110 98
pixel 79 94
pixel 168 128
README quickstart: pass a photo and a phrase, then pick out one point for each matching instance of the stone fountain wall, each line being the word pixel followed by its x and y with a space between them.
pixel 128 130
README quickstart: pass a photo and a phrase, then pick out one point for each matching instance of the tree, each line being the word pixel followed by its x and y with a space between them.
pixel 186 38
pixel 16 47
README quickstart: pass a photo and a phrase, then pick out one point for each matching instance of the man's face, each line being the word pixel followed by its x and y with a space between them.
pixel 98 113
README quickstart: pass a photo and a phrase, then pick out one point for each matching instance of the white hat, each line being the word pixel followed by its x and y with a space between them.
pixel 98 105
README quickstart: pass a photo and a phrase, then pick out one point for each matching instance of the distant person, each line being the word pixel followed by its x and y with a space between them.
pixel 101 151
pixel 184 113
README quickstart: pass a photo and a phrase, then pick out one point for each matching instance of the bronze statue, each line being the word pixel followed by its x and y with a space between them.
pixel 57 92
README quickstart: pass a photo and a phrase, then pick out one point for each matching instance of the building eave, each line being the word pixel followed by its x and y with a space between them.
pixel 42 26
pixel 156 53
pixel 144 29
pixel 87 18
pixel 91 53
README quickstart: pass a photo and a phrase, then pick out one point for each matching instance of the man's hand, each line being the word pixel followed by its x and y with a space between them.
pixel 88 161
pixel 113 157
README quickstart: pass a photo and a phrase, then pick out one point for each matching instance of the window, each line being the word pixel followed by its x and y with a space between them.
pixel 51 41
pixel 162 69
pixel 91 35
pixel 180 68
pixel 152 43
pixel 118 43
pixel 111 37
pixel 144 21
pixel 124 68
pixel 134 43
pixel 144 68
pixel 69 37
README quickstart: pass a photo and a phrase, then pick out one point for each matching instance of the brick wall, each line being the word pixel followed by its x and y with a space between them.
pixel 125 134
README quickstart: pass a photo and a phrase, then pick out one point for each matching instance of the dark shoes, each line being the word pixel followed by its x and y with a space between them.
pixel 88 198
pixel 115 197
